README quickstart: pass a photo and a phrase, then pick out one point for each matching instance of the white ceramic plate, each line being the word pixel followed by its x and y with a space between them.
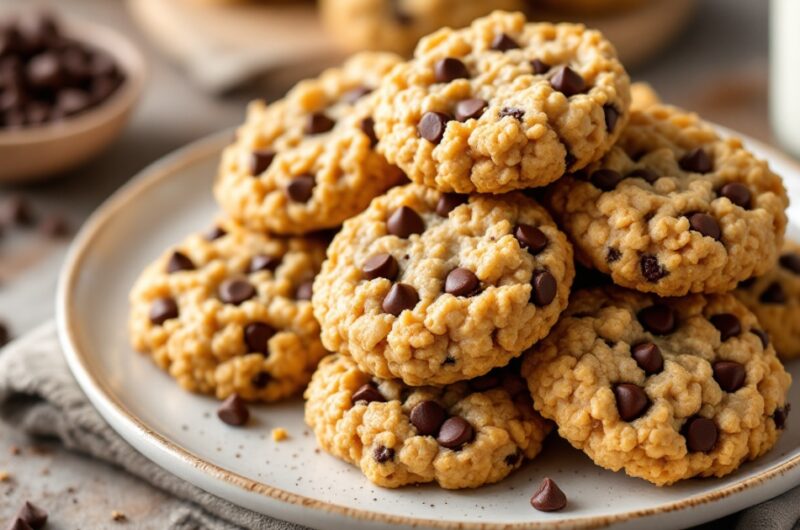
pixel 290 480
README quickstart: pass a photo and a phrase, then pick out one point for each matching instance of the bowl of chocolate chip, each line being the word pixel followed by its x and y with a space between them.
pixel 67 88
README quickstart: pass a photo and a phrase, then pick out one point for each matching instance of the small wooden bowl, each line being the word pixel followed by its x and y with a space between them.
pixel 36 152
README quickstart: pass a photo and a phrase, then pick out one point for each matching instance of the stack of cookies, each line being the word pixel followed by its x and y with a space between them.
pixel 460 334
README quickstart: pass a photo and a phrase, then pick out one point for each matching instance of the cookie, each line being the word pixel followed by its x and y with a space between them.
pixel 643 95
pixel 674 208
pixel 502 105
pixel 460 436
pixel 397 25
pixel 229 312
pixel 435 288
pixel 775 300
pixel 666 389
pixel 308 162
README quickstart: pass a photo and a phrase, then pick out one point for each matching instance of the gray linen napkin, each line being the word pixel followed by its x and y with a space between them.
pixel 39 396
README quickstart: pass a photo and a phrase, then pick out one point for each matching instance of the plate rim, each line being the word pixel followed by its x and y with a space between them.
pixel 113 410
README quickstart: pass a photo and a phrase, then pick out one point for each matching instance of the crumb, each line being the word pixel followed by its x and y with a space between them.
pixel 279 434
pixel 16 451
pixel 118 516
pixel 5 476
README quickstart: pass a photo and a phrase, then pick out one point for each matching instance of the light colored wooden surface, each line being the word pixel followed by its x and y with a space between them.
pixel 718 67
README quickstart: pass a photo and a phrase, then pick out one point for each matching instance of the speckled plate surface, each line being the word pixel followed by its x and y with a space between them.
pixel 291 480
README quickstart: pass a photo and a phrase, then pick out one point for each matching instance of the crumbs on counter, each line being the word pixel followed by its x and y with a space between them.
pixel 118 517
pixel 279 434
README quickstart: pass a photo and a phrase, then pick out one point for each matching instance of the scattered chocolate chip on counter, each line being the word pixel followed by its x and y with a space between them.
pixel 31 515
pixel 549 497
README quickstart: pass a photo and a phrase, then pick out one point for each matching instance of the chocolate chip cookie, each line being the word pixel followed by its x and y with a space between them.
pixel 674 208
pixel 460 436
pixel 229 311
pixel 666 389
pixel 435 288
pixel 775 300
pixel 308 162
pixel 502 105
pixel 397 25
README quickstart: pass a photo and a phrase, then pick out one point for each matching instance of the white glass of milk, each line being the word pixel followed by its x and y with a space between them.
pixel 784 97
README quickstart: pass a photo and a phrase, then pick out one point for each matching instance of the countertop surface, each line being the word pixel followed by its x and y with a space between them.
pixel 718 67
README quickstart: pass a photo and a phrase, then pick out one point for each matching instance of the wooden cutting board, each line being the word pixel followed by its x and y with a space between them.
pixel 222 44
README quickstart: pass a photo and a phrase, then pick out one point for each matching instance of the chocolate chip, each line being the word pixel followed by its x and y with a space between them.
pixel 727 324
pixel 400 297
pixel 163 309
pixel 706 225
pixel 632 401
pixel 701 434
pixel 470 109
pixel 54 226
pixel 260 160
pixel 748 283
pixel 19 524
pixel 515 113
pixel 567 81
pixel 304 291
pixel 404 222
pixel 791 262
pixel 761 335
pixel 383 454
pixel 450 69
pixel 368 393
pixel 5 335
pixel 260 379
pixel 215 233
pixel 658 319
pixel 773 294
pixel 432 126
pixel 611 115
pixel 256 336
pixel 502 43
pixel 485 382
pixel 544 288
pixel 549 497
pixel 380 266
pixel 513 459
pixel 368 128
pixel 16 210
pixel 539 67
pixel 648 357
pixel 449 202
pixel 300 188
pixel 613 255
pixel 531 238
pixel 263 262
pixel 71 101
pixel 462 282
pixel 643 173
pixel 780 416
pixel 729 375
pixel 235 292
pixel 233 411
pixel 44 71
pixel 427 417
pixel 455 432
pixel 318 123
pixel 651 268
pixel 179 262
pixel 33 515
pixel 738 194
pixel 606 179
pixel 696 161
pixel 354 94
